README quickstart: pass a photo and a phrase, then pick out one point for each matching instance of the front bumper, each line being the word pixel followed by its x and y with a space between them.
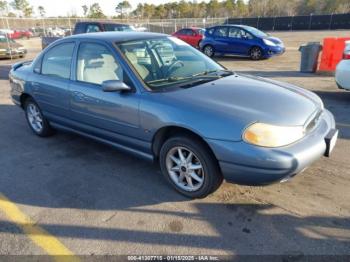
pixel 274 51
pixel 247 164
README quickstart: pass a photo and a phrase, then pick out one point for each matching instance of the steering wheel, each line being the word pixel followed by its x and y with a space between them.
pixel 170 68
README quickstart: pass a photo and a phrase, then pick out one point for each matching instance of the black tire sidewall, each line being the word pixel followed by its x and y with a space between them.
pixel 251 51
pixel 212 178
pixel 212 48
pixel 46 130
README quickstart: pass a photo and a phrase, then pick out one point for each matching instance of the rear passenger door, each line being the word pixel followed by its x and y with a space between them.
pixel 182 34
pixel 51 79
pixel 220 39
pixel 106 114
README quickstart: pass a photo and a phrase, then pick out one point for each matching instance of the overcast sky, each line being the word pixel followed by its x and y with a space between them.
pixel 64 7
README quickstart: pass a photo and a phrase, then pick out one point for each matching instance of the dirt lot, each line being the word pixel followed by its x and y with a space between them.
pixel 96 200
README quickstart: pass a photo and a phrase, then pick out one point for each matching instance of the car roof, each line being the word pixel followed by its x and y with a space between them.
pixel 233 25
pixel 117 37
pixel 192 27
pixel 100 23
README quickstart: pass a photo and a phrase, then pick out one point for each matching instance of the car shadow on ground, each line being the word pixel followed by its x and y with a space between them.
pixel 70 172
pixel 338 102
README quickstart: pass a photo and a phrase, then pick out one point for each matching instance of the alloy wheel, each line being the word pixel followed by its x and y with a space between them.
pixel 35 118
pixel 208 50
pixel 256 53
pixel 185 169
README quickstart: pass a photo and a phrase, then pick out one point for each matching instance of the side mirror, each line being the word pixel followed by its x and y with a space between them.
pixel 115 86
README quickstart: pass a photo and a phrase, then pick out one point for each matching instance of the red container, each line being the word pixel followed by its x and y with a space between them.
pixel 332 53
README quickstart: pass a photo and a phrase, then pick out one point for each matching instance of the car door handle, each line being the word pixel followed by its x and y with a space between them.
pixel 78 95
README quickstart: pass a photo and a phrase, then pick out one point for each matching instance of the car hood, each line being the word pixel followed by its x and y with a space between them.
pixel 275 40
pixel 249 99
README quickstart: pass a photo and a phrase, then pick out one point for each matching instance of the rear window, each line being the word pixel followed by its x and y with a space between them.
pixel 220 31
pixel 57 61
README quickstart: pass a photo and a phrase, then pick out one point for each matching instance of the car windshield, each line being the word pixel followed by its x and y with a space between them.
pixel 255 31
pixel 169 62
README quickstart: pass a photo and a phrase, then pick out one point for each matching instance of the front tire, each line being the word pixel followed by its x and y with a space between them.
pixel 36 120
pixel 209 50
pixel 190 167
pixel 256 53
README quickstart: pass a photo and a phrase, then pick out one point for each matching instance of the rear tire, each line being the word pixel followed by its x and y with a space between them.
pixel 209 50
pixel 195 173
pixel 256 53
pixel 36 120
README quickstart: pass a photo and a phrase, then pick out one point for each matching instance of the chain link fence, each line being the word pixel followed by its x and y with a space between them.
pixel 49 26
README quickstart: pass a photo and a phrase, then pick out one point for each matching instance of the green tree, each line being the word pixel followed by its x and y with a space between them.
pixel 241 8
pixel 123 7
pixel 23 6
pixel 41 11
pixel 85 10
pixel 96 11
pixel 213 7
pixel 3 7
pixel 229 7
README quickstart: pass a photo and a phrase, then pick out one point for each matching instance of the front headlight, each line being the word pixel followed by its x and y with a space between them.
pixel 266 135
pixel 269 42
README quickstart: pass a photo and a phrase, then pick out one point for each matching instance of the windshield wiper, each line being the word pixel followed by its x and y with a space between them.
pixel 208 74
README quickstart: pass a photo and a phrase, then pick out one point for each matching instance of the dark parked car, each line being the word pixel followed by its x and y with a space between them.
pixel 88 27
pixel 240 40
pixel 156 97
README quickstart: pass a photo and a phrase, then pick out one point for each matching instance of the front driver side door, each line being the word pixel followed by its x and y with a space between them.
pixel 109 115
pixel 240 41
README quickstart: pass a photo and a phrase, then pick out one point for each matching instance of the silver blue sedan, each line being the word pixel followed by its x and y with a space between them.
pixel 155 96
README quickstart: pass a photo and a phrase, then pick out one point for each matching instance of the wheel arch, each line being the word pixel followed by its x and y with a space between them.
pixel 170 131
pixel 23 98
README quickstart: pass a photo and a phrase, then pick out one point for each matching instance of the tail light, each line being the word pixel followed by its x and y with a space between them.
pixel 346 54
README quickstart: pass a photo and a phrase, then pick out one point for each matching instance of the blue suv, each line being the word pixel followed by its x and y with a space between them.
pixel 240 40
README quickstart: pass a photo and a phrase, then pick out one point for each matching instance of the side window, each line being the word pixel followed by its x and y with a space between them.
pixel 221 32
pixel 211 31
pixel 234 32
pixel 191 32
pixel 182 32
pixel 246 35
pixel 96 64
pixel 92 28
pixel 57 61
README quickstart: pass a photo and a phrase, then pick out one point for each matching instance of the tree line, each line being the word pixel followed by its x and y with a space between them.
pixel 193 9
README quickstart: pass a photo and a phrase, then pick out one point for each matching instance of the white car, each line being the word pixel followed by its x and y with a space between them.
pixel 342 73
